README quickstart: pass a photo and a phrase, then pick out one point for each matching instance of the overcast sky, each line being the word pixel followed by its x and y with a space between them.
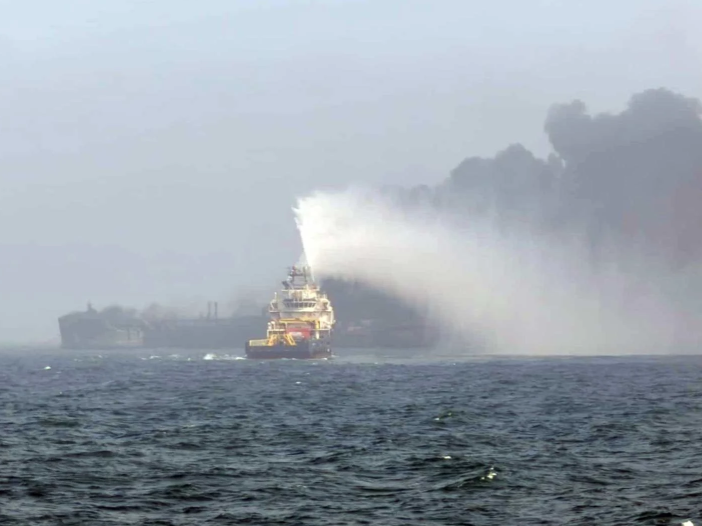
pixel 151 150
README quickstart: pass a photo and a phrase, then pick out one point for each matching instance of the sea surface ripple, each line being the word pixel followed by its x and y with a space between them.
pixel 173 438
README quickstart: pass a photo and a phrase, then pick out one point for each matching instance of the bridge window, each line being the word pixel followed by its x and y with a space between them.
pixel 293 304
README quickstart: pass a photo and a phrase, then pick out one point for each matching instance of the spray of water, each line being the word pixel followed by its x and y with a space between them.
pixel 510 294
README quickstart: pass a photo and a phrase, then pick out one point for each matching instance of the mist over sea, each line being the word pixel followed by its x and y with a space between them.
pixel 514 185
pixel 374 436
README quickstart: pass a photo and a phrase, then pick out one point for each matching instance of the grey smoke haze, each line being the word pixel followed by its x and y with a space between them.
pixel 594 250
pixel 151 151
pixel 630 182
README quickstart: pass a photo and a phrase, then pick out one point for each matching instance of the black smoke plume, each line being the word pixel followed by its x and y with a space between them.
pixel 630 181
pixel 604 235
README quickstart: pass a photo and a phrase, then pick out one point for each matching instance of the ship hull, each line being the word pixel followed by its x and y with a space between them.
pixel 217 333
pixel 304 350
pixel 101 339
pixel 100 346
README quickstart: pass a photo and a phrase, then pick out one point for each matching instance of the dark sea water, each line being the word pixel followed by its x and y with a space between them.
pixel 173 437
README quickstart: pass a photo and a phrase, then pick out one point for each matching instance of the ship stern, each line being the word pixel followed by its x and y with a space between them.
pixel 302 350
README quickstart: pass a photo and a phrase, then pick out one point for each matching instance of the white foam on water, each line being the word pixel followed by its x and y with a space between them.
pixel 213 356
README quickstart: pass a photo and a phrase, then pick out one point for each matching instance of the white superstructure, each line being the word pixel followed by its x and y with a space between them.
pixel 301 309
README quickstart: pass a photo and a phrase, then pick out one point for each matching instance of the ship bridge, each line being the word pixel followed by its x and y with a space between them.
pixel 301 299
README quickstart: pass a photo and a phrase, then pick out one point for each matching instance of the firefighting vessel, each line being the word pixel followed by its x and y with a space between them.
pixel 300 324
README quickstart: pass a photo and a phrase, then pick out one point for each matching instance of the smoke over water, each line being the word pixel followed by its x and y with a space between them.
pixel 523 265
pixel 499 293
